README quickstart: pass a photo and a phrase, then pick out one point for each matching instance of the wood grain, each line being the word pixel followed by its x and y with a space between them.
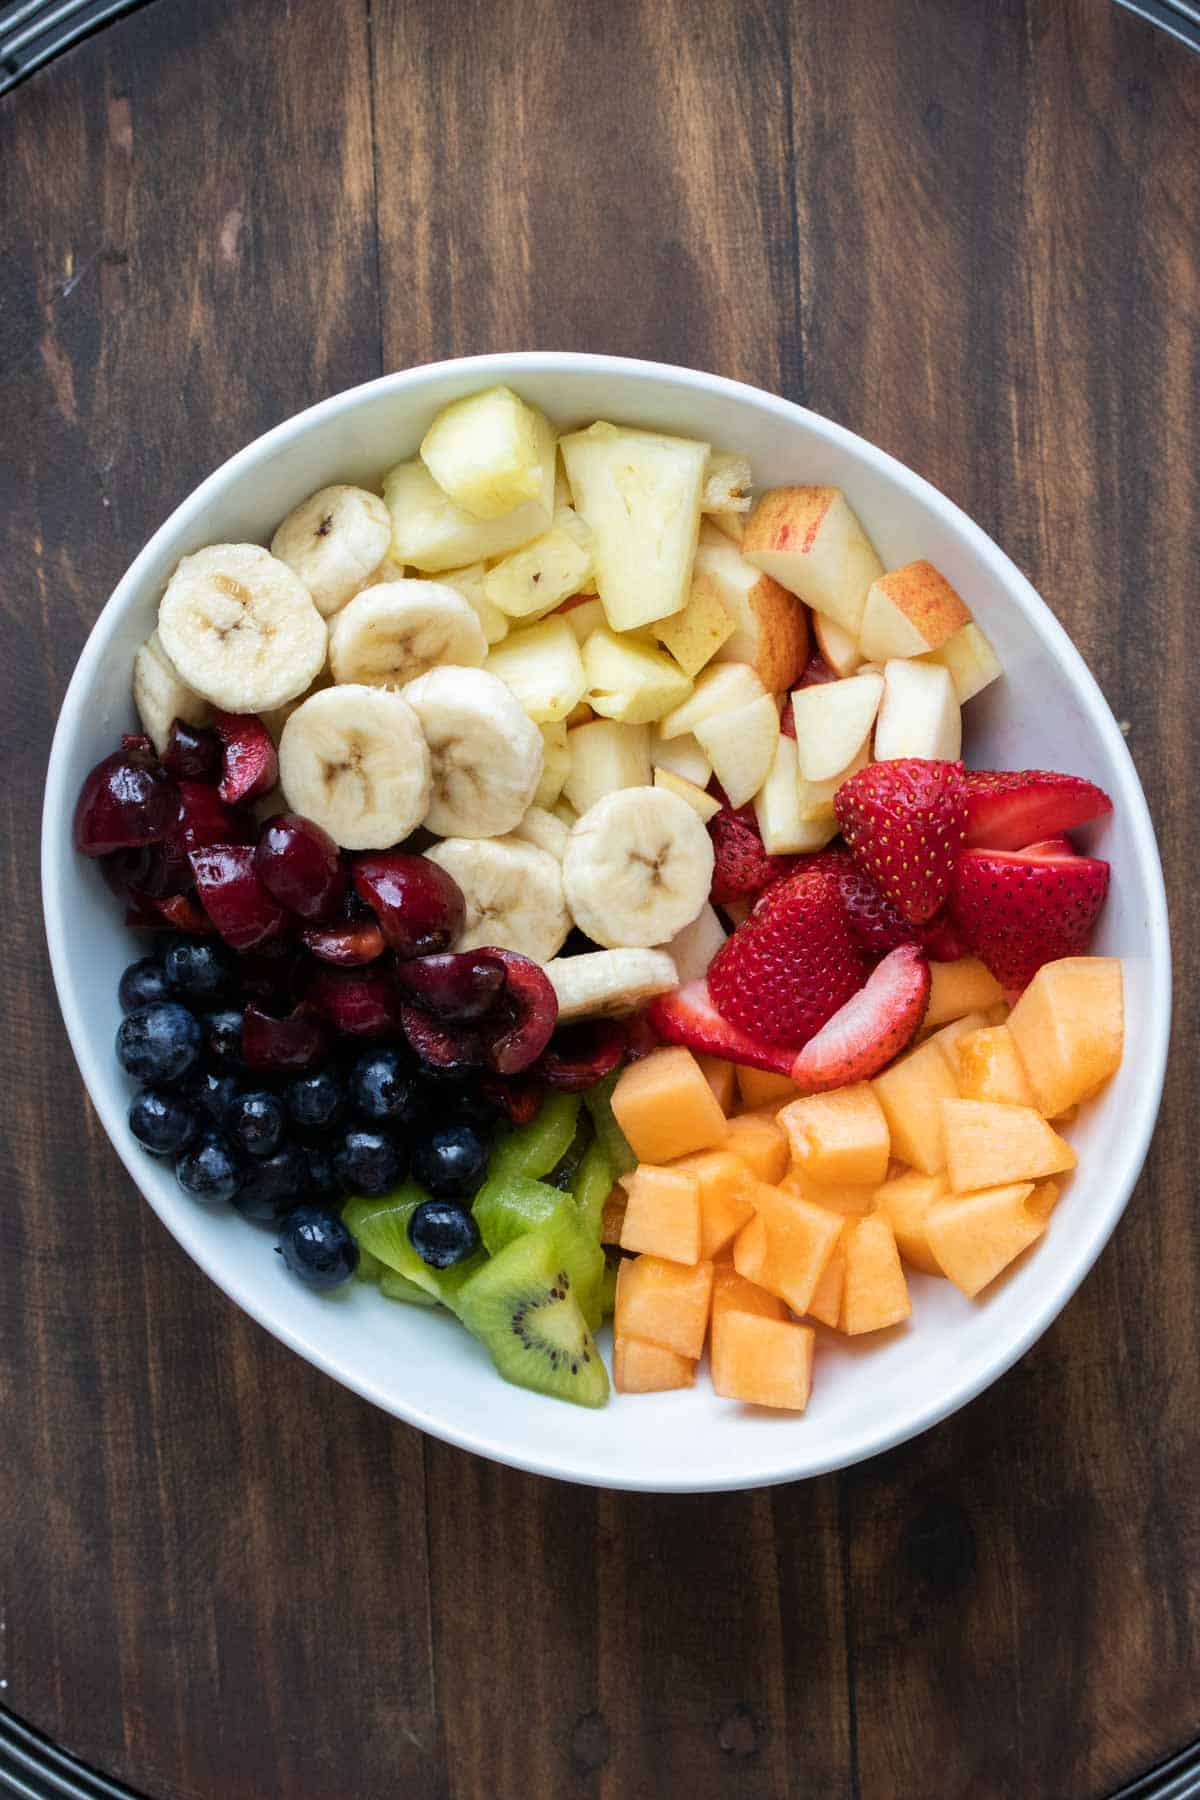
pixel 967 232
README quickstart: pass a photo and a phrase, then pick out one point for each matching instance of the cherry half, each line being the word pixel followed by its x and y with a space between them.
pixel 299 863
pixel 419 906
pixel 356 1002
pixel 518 1029
pixel 581 1054
pixel 294 1042
pixel 459 987
pixel 192 753
pixel 126 801
pixel 348 944
pixel 234 898
pixel 249 763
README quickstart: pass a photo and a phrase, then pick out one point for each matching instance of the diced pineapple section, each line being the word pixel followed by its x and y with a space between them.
pixel 540 575
pixel 809 540
pixel 975 1237
pixel 630 681
pixel 664 1303
pixel 639 491
pixel 958 988
pixel 694 635
pixel 763 1362
pixel 542 666
pixel 1069 1027
pixel 469 582
pixel 643 1368
pixel 666 1108
pixel 874 1291
pixel 604 757
pixel 662 1213
pixel 491 452
pixel 762 1145
pixel 786 1245
pixel 992 1146
pixel 990 1067
pixel 840 1137
pixel 905 1202
pixel 911 1093
pixel 433 534
pixel 728 483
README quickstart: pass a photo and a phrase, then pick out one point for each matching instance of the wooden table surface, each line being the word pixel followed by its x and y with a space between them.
pixel 968 231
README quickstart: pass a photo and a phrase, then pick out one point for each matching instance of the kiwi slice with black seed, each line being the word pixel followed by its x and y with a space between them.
pixel 523 1308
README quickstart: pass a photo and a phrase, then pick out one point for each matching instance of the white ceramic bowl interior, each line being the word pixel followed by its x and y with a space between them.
pixel 1046 712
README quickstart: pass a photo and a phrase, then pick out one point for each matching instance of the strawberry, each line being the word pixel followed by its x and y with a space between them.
pixel 742 867
pixel 875 922
pixel 1020 909
pixel 940 940
pixel 1008 809
pixel 904 823
pixel 687 1016
pixel 792 964
pixel 873 1026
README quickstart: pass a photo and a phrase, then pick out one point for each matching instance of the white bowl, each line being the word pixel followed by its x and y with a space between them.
pixel 1047 712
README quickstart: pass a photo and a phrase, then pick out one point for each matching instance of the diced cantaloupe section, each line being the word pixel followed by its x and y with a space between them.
pixel 665 1106
pixel 991 1146
pixel 764 1362
pixel 998 1014
pixel 720 1078
pixel 759 1087
pixel 662 1213
pixel 975 1236
pixel 724 1182
pixel 761 1143
pixel 665 1303
pixel 911 1093
pixel 826 1303
pixel 612 1216
pixel 959 987
pixel 731 1292
pixel 846 1198
pixel 948 1037
pixel 840 1137
pixel 904 1201
pixel 874 1291
pixel 786 1245
pixel 1069 1026
pixel 643 1368
pixel 990 1067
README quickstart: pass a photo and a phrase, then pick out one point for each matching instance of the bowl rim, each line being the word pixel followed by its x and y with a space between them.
pixel 248 1292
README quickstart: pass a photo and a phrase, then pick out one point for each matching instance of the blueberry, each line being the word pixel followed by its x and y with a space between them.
pixel 199 968
pixel 255 1122
pixel 271 1186
pixel 215 1094
pixel 322 1183
pixel 141 983
pixel 158 1042
pixel 223 1038
pixel 441 1233
pixel 315 1101
pixel 367 1162
pixel 317 1247
pixel 162 1122
pixel 451 1162
pixel 209 1172
pixel 471 1106
pixel 383 1090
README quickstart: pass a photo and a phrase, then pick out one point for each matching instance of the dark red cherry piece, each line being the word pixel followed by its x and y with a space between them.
pixel 581 1054
pixel 126 800
pixel 300 864
pixel 420 907
pixel 192 753
pixel 356 1002
pixel 457 987
pixel 294 1042
pixel 519 1027
pixel 249 763
pixel 349 944
pixel 234 898
pixel 439 1045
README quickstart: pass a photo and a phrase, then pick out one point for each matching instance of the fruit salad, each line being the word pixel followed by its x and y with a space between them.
pixel 565 898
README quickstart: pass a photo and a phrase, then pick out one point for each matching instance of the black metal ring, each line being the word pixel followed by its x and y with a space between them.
pixel 33 31
pixel 33 1768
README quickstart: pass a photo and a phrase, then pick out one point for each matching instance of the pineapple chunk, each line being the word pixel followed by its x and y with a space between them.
pixel 640 493
pixel 490 453
pixel 540 575
pixel 543 667
pixel 727 483
pixel 629 681
pixel 694 635
pixel 469 583
pixel 605 757
pixel 433 534
pixel 556 764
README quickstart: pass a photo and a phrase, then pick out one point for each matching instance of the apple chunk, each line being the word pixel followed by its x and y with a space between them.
pixel 741 745
pixel 605 757
pixel 721 688
pixel 705 804
pixel 810 540
pixel 919 714
pixel 769 625
pixel 908 612
pixel 972 662
pixel 779 808
pixel 490 452
pixel 639 491
pixel 839 649
pixel 832 723
pixel 694 635
pixel 433 534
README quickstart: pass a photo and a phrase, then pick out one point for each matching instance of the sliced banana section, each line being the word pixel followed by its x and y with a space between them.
pixel 393 632
pixel 514 895
pixel 355 759
pixel 335 540
pixel 486 754
pixel 638 867
pixel 609 981
pixel 162 696
pixel 545 830
pixel 241 628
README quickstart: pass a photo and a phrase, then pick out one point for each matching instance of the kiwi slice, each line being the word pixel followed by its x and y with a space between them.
pixel 523 1308
pixel 563 1174
pixel 608 1288
pixel 592 1185
pixel 534 1149
pixel 381 1226
pixel 609 1136
pixel 507 1210
pixel 398 1287
pixel 369 1267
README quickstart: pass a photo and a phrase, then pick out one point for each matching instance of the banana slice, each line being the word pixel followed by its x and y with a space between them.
pixel 514 895
pixel 241 628
pixel 355 760
pixel 486 754
pixel 609 982
pixel 545 830
pixel 638 867
pixel 162 696
pixel 393 632
pixel 335 540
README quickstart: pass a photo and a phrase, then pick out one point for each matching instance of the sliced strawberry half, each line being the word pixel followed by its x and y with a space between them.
pixel 1020 909
pixel 741 867
pixel 791 964
pixel 1008 809
pixel 904 823
pixel 687 1016
pixel 876 1024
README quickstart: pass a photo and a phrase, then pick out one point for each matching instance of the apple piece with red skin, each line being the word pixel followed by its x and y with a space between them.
pixel 234 898
pixel 126 801
pixel 420 907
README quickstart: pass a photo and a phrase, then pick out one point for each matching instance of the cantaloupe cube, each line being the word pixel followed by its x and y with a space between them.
pixel 665 1106
pixel 1069 1026
pixel 612 1217
pixel 642 1368
pixel 759 1087
pixel 786 1245
pixel 761 1144
pixel 724 1182
pixel 839 1137
pixel 765 1362
pixel 948 1037
pixel 848 1198
pixel 719 1076
pixel 731 1292
pixel 665 1303
pixel 874 1293
pixel 990 1067
pixel 662 1213
pixel 911 1093
pixel 957 988
pixel 826 1303
pixel 991 1146
pixel 998 1014
pixel 975 1236
pixel 904 1202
